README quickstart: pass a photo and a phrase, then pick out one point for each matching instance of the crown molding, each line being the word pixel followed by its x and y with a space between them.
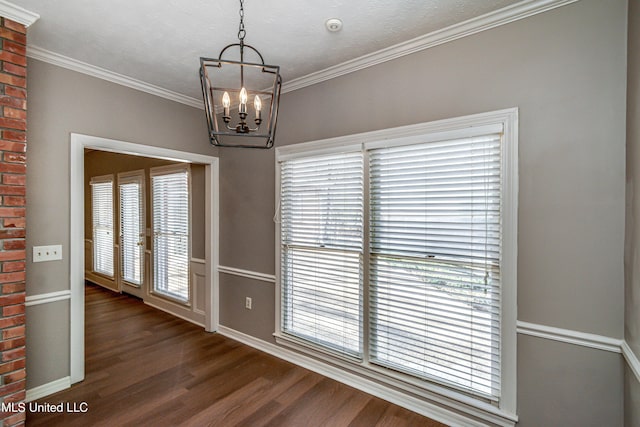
pixel 17 13
pixel 506 15
pixel 44 55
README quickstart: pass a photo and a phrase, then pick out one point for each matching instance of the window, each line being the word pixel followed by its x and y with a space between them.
pixel 102 214
pixel 322 205
pixel 171 217
pixel 132 227
pixel 398 256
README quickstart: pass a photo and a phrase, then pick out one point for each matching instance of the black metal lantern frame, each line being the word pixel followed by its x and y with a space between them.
pixel 231 119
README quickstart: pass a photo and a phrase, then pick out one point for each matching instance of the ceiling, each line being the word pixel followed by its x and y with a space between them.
pixel 160 42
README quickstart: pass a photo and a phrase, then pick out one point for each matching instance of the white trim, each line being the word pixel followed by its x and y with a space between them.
pixel 389 394
pixel 248 274
pixel 631 358
pixel 45 390
pixel 78 143
pixel 44 55
pixel 506 15
pixel 32 300
pixel 437 130
pixel 17 13
pixel 568 336
pixel 173 313
pixel 198 261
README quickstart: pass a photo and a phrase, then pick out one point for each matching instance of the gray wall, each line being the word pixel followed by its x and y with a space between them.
pixel 632 243
pixel 62 102
pixel 566 71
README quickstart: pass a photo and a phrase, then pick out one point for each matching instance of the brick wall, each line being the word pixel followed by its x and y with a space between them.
pixel 13 125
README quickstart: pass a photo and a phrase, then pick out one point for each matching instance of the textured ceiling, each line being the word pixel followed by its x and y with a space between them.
pixel 160 42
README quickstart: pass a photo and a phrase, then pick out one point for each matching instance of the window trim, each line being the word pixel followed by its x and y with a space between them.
pixel 166 170
pixel 507 121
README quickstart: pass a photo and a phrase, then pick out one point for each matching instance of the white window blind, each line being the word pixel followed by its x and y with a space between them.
pixel 102 214
pixel 321 250
pixel 170 206
pixel 132 228
pixel 435 248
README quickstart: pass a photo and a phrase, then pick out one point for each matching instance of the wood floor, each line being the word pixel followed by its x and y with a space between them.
pixel 147 368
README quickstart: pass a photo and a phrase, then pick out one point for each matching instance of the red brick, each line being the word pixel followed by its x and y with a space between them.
pixel 11 344
pixel 11 101
pixel 14 35
pixel 9 322
pixel 12 310
pixel 13 387
pixel 14 113
pixel 14 222
pixel 13 80
pixel 13 288
pixel 15 376
pixel 12 234
pixel 12 123
pixel 12 299
pixel 15 332
pixel 13 167
pixel 13 135
pixel 16 353
pixel 13 58
pixel 15 26
pixel 21 395
pixel 10 245
pixel 14 201
pixel 12 212
pixel 15 158
pixel 17 70
pixel 16 276
pixel 13 47
pixel 14 179
pixel 12 366
pixel 16 420
pixel 14 91
pixel 18 147
pixel 12 256
pixel 12 190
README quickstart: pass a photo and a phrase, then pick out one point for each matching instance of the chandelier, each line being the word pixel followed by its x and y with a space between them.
pixel 228 86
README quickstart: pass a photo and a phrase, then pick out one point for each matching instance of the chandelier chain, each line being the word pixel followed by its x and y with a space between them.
pixel 241 31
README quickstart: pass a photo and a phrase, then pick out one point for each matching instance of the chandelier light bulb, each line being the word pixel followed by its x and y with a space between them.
pixel 226 103
pixel 243 100
pixel 257 103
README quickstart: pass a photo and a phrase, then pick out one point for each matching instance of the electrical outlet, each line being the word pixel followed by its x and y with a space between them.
pixel 247 303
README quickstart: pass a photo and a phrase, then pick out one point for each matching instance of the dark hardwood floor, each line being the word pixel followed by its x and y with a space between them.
pixel 148 368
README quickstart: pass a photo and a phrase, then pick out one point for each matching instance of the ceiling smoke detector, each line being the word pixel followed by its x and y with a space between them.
pixel 333 25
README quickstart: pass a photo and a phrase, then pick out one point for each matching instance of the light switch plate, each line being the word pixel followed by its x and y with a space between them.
pixel 47 253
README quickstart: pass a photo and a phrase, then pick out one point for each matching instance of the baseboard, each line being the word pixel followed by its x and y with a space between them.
pixel 157 307
pixel 45 390
pixel 379 390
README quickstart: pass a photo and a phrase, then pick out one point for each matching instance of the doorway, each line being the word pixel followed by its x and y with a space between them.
pixel 77 246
